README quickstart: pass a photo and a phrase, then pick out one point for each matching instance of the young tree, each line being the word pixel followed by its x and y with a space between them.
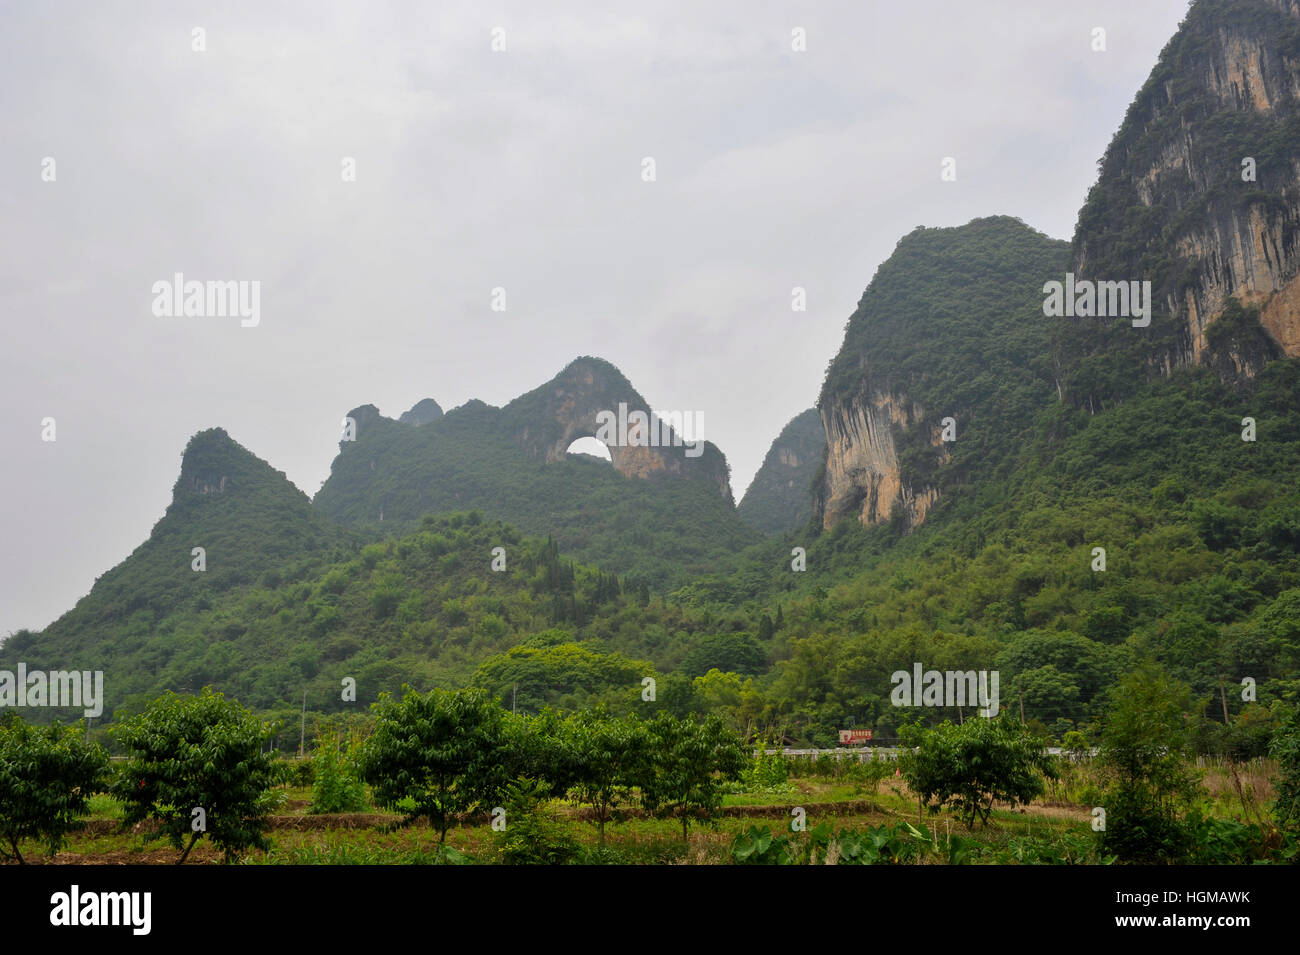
pixel 974 764
pixel 336 787
pixel 686 765
pixel 1144 749
pixel 199 765
pixel 446 751
pixel 604 758
pixel 46 775
pixel 532 836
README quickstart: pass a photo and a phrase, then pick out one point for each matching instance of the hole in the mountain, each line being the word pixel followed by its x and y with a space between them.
pixel 591 446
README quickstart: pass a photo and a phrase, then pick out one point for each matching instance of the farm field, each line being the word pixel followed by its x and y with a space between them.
pixel 1053 829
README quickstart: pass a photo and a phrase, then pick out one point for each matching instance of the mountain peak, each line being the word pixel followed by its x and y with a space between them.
pixel 422 412
pixel 780 499
pixel 892 401
pixel 209 460
pixel 590 391
pixel 1196 194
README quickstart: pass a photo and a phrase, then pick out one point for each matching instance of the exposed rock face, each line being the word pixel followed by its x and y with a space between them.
pixel 779 498
pixel 1199 191
pixel 662 516
pixel 863 478
pixel 552 417
pixel 542 424
pixel 205 487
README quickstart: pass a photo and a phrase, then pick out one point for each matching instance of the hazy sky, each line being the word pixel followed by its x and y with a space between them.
pixel 477 169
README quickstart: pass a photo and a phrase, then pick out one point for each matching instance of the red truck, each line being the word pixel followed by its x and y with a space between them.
pixel 854 737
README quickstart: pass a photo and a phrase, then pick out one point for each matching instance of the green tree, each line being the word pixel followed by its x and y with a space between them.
pixel 974 764
pixel 534 748
pixel 728 652
pixel 735 699
pixel 1144 749
pixel 198 753
pixel 533 836
pixel 46 776
pixel 442 750
pixel 605 756
pixel 686 766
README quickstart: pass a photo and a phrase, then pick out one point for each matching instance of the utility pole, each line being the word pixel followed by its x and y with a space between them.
pixel 514 690
pixel 1021 691
pixel 302 738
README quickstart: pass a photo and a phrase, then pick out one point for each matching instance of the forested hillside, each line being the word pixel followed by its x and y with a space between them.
pixel 780 498
pixel 659 527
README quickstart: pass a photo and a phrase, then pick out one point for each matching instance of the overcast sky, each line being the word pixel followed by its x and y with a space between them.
pixel 476 169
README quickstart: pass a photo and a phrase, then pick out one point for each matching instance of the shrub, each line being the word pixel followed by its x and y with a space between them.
pixel 1144 753
pixel 445 752
pixel 971 765
pixel 192 753
pixel 338 786
pixel 46 777
pixel 532 835
pixel 1285 748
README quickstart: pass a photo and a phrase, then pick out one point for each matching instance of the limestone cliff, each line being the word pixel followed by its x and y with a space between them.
pixel 863 477
pixel 1199 193
pixel 546 420
pixel 944 363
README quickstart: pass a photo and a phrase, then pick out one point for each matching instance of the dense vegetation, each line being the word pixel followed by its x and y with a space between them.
pixel 1202 570
pixel 448 756
pixel 661 529
pixel 779 499
pixel 953 322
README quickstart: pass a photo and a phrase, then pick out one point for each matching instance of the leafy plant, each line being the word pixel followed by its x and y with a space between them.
pixel 759 846
pixel 686 765
pixel 47 775
pixel 199 765
pixel 532 835
pixel 337 786
pixel 442 751
pixel 971 765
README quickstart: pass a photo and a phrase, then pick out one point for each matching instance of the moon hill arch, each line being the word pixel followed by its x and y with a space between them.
pixel 566 408
pixel 511 463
